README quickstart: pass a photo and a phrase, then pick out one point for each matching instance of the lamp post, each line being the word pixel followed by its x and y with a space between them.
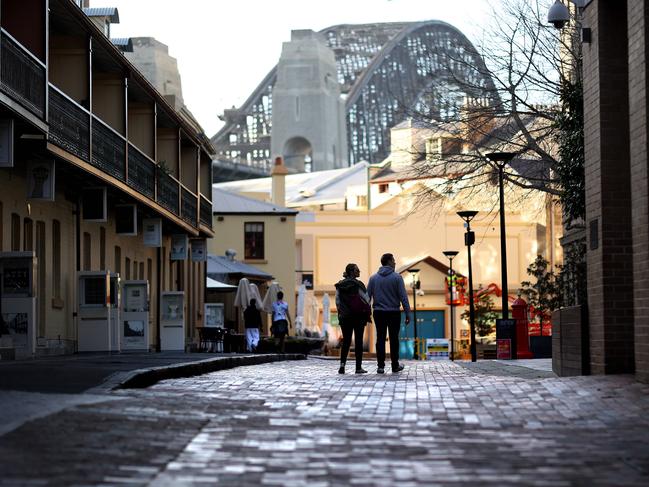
pixel 469 239
pixel 501 159
pixel 450 255
pixel 415 285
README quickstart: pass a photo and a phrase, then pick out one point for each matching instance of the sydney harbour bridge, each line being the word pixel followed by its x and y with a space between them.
pixel 386 71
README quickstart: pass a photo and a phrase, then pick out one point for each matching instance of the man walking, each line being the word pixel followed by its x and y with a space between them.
pixel 387 292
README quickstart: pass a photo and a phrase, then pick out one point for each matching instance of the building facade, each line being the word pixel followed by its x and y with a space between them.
pixel 93 153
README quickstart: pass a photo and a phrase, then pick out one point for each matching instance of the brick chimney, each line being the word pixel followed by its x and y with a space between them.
pixel 278 183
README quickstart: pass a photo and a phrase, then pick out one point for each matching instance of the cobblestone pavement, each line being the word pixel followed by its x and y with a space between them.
pixel 300 423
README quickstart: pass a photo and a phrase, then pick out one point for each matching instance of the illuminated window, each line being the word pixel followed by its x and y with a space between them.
pixel 254 240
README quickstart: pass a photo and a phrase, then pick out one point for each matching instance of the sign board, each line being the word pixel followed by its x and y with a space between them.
pixel 437 349
pixel 199 250
pixel 40 180
pixel 214 315
pixel 152 232
pixel 6 143
pixel 505 339
pixel 179 244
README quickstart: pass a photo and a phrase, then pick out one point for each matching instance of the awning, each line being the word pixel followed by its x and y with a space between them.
pixel 218 285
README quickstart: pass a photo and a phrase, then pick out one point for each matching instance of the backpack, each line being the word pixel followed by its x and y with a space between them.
pixel 358 305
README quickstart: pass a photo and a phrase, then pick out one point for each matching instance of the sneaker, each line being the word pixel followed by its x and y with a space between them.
pixel 341 370
pixel 397 369
pixel 361 371
pixel 380 370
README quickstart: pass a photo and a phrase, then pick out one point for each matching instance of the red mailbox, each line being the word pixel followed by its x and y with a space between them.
pixel 519 313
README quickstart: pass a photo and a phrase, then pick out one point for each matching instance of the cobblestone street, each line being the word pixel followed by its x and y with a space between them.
pixel 300 423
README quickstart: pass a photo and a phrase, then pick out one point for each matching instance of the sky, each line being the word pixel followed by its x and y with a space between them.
pixel 225 48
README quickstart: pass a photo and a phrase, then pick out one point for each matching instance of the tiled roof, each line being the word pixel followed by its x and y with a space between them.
pixel 220 267
pixel 227 202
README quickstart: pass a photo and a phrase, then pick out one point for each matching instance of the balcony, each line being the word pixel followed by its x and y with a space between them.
pixel 189 207
pixel 141 172
pixel 22 75
pixel 168 191
pixel 206 212
pixel 69 125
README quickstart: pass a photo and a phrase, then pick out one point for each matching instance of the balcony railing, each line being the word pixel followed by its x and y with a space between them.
pixel 206 212
pixel 189 207
pixel 69 125
pixel 108 150
pixel 168 191
pixel 22 75
pixel 141 172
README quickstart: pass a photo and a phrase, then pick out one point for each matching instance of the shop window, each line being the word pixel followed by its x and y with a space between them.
pixel 254 240
pixel 87 251
pixel 56 259
pixel 28 228
pixel 15 232
pixel 102 248
pixel 118 260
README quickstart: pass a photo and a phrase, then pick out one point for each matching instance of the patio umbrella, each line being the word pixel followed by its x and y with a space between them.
pixel 243 296
pixel 271 296
pixel 254 293
pixel 326 314
pixel 299 313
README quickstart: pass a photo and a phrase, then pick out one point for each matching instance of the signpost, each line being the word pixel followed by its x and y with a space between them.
pixel 505 339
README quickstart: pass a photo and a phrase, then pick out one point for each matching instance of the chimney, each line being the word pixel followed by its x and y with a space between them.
pixel 278 184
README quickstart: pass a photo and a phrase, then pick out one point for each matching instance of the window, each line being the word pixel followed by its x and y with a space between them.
pixel 141 276
pixel 102 248
pixel 15 232
pixel 127 268
pixel 56 259
pixel 149 270
pixel 135 266
pixel 87 251
pixel 118 260
pixel 361 200
pixel 383 187
pixel 1 229
pixel 254 240
pixel 28 243
pixel 41 240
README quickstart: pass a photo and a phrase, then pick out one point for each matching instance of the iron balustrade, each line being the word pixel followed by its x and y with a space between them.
pixel 69 125
pixel 22 75
pixel 168 191
pixel 189 207
pixel 141 172
pixel 206 212
pixel 108 150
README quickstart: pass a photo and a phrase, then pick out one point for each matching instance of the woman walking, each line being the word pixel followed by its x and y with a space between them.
pixel 281 321
pixel 354 312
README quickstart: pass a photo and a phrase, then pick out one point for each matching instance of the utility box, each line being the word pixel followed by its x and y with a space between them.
pixel 99 312
pixel 18 303
pixel 172 320
pixel 135 315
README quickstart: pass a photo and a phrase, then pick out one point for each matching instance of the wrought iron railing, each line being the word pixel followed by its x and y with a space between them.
pixel 141 172
pixel 22 75
pixel 168 191
pixel 69 125
pixel 108 149
pixel 206 212
pixel 189 207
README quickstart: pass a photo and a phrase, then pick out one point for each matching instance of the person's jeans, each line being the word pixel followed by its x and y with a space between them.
pixel 355 325
pixel 252 339
pixel 387 322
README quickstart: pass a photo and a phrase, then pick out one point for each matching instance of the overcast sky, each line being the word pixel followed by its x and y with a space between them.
pixel 225 48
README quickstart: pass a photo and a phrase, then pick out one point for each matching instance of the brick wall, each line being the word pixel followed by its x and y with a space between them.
pixel 570 352
pixel 608 198
pixel 637 42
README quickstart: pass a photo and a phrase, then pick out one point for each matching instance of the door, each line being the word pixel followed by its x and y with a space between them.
pixel 430 324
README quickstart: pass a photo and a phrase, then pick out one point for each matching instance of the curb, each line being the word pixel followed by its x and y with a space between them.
pixel 142 378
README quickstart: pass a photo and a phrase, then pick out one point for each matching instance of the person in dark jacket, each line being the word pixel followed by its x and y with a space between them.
pixel 353 308
pixel 388 293
pixel 252 321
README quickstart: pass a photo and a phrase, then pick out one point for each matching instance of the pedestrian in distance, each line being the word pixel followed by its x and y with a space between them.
pixel 252 322
pixel 388 293
pixel 354 312
pixel 281 321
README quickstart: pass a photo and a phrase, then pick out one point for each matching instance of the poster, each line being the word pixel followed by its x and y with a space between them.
pixel 179 244
pixel 134 334
pixel 437 349
pixel 152 232
pixel 40 180
pixel 199 250
pixel 214 315
pixel 16 326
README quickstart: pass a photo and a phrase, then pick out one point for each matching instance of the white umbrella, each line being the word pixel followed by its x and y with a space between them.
pixel 299 314
pixel 254 293
pixel 271 296
pixel 242 298
pixel 326 314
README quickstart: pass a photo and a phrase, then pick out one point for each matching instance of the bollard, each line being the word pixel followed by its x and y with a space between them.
pixel 519 313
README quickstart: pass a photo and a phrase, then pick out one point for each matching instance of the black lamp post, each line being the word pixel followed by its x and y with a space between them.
pixel 450 254
pixel 415 285
pixel 469 239
pixel 501 159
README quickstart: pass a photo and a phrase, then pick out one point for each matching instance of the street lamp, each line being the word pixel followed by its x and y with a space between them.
pixel 450 255
pixel 415 286
pixel 501 159
pixel 469 239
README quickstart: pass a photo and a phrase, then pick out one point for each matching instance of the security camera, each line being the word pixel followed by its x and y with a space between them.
pixel 559 15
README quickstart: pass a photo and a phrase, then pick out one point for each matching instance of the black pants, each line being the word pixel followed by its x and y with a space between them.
pixel 355 325
pixel 387 321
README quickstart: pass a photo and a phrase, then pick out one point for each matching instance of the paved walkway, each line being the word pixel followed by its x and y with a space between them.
pixel 299 423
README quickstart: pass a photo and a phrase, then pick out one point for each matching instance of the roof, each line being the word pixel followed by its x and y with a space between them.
pixel 110 12
pixel 226 202
pixel 304 189
pixel 220 267
pixel 436 264
pixel 125 44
